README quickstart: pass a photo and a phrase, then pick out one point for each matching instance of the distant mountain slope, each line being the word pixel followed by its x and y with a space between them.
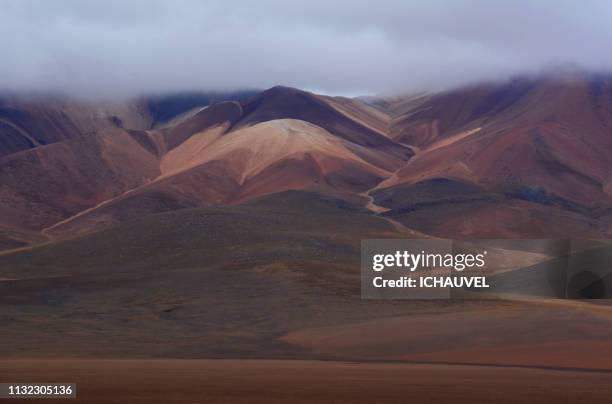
pixel 224 153
pixel 41 186
pixel 214 167
pixel 527 157
pixel 287 103
pixel 164 108
pixel 361 112
pixel 27 122
pixel 30 121
pixel 537 144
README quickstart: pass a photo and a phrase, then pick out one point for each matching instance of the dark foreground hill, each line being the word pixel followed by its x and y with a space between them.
pixel 197 282
pixel 277 277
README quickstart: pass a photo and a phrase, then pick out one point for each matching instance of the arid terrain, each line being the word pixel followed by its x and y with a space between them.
pixel 269 381
pixel 193 240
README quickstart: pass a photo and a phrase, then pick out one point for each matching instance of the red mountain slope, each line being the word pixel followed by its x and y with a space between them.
pixel 544 144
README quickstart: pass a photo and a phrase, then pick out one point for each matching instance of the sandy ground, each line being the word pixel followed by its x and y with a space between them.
pixel 568 334
pixel 272 381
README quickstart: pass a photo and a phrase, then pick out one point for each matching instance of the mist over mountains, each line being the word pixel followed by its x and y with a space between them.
pixel 114 48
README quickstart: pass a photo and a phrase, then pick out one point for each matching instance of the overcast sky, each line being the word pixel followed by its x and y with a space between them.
pixel 347 47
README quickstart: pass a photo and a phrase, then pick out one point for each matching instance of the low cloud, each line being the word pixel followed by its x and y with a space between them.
pixel 346 47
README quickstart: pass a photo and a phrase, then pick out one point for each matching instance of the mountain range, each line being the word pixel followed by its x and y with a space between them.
pixel 529 157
